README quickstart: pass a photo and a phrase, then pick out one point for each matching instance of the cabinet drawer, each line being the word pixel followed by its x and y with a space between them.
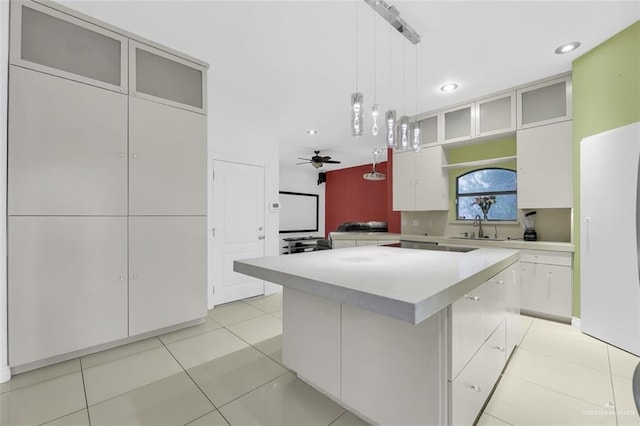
pixel 361 243
pixel 469 392
pixel 495 301
pixel 494 351
pixel 546 257
pixel 467 327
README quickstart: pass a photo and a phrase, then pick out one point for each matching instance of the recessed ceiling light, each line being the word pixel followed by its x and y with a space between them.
pixel 568 47
pixel 312 132
pixel 449 87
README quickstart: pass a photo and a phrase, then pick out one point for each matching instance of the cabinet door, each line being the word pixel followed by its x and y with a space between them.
pixel 168 160
pixel 546 289
pixel 514 326
pixel 73 162
pixel 56 43
pixel 459 123
pixel 432 181
pixel 544 103
pixel 404 169
pixel 168 271
pixel 430 128
pixel 545 166
pixel 496 115
pixel 67 285
pixel 162 77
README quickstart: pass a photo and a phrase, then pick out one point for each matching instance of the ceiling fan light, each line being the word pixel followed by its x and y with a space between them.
pixel 356 114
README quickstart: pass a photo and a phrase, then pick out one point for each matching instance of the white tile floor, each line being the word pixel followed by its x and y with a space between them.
pixel 228 371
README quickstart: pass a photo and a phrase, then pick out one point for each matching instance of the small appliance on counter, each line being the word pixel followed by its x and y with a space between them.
pixel 530 233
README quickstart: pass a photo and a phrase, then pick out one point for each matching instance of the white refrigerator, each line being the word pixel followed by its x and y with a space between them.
pixel 609 237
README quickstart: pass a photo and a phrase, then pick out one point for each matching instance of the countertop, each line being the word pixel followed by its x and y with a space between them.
pixel 406 284
pixel 476 242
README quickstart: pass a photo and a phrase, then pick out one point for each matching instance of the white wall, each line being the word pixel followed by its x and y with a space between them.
pixel 4 59
pixel 303 178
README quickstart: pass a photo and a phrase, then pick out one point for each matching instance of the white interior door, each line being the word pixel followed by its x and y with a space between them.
pixel 238 222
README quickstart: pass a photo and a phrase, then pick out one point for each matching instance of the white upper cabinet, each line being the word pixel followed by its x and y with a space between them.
pixel 459 124
pixel 496 115
pixel 544 103
pixel 419 181
pixel 50 41
pixel 165 78
pixel 545 166
pixel 430 127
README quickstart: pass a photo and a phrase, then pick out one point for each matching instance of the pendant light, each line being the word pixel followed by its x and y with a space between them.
pixel 390 115
pixel 374 175
pixel 357 116
pixel 416 142
pixel 374 108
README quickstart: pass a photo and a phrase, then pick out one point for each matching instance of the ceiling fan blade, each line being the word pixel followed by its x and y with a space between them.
pixel 306 162
pixel 325 158
pixel 306 159
pixel 331 162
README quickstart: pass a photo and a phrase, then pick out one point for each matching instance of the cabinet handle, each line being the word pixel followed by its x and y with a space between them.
pixel 261 237
pixel 136 276
pixel 500 348
pixel 134 155
pixel 121 154
pixel 121 278
pixel 476 388
pixel 474 298
pixel 499 281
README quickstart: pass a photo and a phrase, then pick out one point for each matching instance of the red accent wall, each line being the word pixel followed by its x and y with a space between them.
pixel 351 198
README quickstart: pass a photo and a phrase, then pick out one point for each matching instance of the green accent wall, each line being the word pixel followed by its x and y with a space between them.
pixel 606 95
pixel 505 147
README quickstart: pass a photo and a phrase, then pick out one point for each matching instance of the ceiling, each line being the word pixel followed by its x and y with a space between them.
pixel 299 57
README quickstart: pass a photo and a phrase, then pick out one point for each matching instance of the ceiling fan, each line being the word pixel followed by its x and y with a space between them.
pixel 317 160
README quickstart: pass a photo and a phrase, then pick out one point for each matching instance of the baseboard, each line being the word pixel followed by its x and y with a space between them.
pixel 5 374
pixel 575 322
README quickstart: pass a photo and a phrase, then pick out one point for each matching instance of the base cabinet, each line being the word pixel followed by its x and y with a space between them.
pixel 83 262
pixel 391 372
pixel 168 271
pixel 546 283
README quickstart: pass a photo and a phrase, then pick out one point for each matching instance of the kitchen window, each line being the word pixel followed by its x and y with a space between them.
pixel 490 193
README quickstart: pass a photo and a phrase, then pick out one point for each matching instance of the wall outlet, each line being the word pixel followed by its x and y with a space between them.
pixel 415 222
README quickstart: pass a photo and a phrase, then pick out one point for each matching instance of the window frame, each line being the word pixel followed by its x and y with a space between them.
pixel 480 194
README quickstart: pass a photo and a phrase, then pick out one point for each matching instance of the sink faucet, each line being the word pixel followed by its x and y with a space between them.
pixel 478 222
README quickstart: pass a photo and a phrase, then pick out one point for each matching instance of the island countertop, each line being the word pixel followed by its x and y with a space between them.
pixel 402 283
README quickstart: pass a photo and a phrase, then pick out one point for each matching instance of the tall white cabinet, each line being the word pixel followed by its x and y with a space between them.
pixel 106 186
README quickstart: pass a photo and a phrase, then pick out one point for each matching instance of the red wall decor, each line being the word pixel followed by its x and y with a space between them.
pixel 351 198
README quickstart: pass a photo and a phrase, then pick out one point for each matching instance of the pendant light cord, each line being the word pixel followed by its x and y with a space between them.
pixel 356 4
pixel 375 97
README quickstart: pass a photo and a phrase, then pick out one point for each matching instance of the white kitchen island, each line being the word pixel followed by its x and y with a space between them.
pixel 399 336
